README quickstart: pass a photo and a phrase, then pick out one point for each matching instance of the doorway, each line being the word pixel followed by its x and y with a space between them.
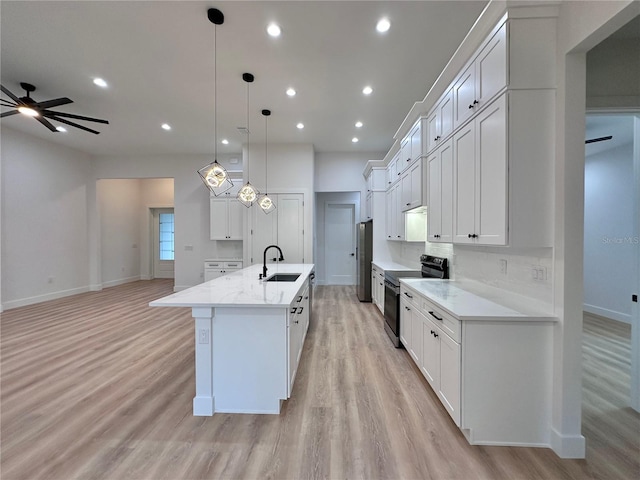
pixel 340 243
pixel 162 242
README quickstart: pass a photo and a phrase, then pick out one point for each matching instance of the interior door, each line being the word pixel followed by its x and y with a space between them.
pixel 339 235
pixel 163 243
pixel 291 227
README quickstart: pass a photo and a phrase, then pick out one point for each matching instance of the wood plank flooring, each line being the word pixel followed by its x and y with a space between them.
pixel 99 386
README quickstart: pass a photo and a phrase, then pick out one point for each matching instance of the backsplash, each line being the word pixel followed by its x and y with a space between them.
pixel 502 268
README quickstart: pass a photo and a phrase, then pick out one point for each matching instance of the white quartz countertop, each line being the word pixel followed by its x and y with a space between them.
pixel 473 301
pixel 389 265
pixel 242 289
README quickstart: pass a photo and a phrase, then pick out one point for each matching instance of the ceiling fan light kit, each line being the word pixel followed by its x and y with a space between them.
pixel 41 110
pixel 215 176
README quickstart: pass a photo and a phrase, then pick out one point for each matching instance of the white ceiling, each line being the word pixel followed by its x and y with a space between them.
pixel 158 58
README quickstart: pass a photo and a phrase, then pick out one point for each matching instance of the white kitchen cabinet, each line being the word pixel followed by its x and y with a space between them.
pixel 226 214
pixel 440 121
pixel 480 178
pixel 484 77
pixel 218 268
pixel 412 187
pixel 412 319
pixel 440 193
pixel 405 154
pixel 283 227
pixel 394 217
pixel 374 290
pixel 297 324
pixel 411 147
pixel 393 174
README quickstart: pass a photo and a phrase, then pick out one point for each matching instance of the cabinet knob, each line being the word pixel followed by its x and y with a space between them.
pixel 475 102
pixel 473 235
pixel 408 159
pixel 408 204
pixel 407 308
pixel 434 334
pixel 470 106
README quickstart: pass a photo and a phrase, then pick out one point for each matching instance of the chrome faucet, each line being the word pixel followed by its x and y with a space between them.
pixel 264 260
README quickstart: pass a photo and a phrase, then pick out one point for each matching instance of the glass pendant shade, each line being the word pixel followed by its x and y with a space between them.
pixel 216 178
pixel 248 195
pixel 266 204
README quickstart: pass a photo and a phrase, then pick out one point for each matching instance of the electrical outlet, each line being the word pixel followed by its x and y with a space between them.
pixel 203 336
pixel 538 273
pixel 503 266
pixel 188 248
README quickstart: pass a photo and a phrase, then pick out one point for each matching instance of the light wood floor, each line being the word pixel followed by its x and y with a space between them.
pixel 100 386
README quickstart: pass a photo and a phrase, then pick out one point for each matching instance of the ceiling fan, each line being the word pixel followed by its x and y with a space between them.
pixel 40 110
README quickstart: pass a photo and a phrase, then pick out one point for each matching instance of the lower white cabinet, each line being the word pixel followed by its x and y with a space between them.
pixel 434 352
pixel 492 373
pixel 377 287
pixel 297 326
pixel 218 268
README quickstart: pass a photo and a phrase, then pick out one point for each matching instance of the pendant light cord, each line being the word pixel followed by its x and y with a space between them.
pixel 248 133
pixel 266 157
pixel 215 93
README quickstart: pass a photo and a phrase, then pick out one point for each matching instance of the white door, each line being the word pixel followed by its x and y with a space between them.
pixel 163 242
pixel 291 227
pixel 340 243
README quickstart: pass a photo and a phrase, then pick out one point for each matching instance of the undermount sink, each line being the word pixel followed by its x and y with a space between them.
pixel 283 277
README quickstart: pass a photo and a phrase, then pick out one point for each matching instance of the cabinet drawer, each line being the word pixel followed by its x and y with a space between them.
pixel 213 264
pixel 411 297
pixel 448 324
pixel 233 264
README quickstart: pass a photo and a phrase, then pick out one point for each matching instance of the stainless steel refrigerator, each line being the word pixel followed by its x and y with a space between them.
pixel 364 255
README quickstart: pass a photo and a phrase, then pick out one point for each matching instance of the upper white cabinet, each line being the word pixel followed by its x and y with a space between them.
pixel 225 217
pixel 393 174
pixel 411 147
pixel 482 79
pixel 440 121
pixel 480 178
pixel 440 191
pixel 411 187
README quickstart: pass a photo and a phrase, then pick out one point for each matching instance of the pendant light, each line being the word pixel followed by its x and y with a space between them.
pixel 265 202
pixel 248 194
pixel 214 175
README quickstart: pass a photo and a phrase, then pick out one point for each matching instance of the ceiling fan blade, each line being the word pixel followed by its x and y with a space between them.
pixel 46 123
pixel 6 114
pixel 601 139
pixel 77 117
pixel 53 103
pixel 62 120
pixel 9 94
pixel 6 103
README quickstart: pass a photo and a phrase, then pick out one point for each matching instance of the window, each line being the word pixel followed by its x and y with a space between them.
pixel 166 236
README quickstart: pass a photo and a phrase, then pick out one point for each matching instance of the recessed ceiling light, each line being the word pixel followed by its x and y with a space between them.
pixel 274 30
pixel 61 129
pixel 383 25
pixel 367 90
pixel 300 126
pixel 354 139
pixel 100 82
pixel 358 124
pixel 225 141
pixel 166 126
pixel 291 92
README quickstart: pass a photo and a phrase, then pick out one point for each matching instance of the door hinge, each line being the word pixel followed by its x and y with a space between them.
pixel 252 231
pixel 634 298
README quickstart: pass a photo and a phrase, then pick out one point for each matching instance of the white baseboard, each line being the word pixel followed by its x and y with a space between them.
pixel 568 446
pixel 604 312
pixel 23 302
pixel 178 288
pixel 121 281
pixel 146 277
pixel 95 287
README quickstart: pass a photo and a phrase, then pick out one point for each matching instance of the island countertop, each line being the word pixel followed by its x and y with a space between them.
pixel 474 301
pixel 242 289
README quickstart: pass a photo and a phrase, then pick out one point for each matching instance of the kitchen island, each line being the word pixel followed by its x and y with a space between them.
pixel 249 334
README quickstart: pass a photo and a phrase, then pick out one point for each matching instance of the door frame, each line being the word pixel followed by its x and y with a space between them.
pixel 147 257
pixel 327 205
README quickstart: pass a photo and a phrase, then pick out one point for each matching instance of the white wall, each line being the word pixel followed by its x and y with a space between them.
pixel 154 193
pixel 617 58
pixel 321 201
pixel 609 250
pixel 44 220
pixel 581 26
pixel 191 206
pixel 119 204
